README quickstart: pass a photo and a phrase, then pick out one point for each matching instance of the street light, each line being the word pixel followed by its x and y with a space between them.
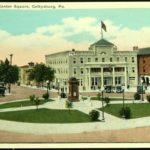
pixel 47 82
pixel 102 92
pixel 142 90
pixel 11 55
pixel 123 99
pixel 58 85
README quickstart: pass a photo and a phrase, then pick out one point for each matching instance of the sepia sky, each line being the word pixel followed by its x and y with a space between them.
pixel 31 34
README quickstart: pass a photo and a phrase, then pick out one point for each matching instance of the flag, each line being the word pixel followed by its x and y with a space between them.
pixel 103 26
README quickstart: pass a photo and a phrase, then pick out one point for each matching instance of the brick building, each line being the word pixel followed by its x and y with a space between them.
pixel 144 65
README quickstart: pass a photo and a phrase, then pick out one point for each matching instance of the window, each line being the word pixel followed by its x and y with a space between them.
pixel 110 59
pixel 74 60
pixel 133 70
pixel 89 59
pixel 117 80
pixel 81 60
pixel 96 59
pixel 117 58
pixel 144 69
pixel 81 70
pixel 126 59
pixel 75 71
pixel 133 59
pixel 103 59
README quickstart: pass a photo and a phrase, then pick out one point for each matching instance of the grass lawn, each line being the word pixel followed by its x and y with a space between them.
pixel 21 103
pixel 44 115
pixel 138 110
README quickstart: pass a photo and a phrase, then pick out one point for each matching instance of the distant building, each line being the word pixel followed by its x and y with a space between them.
pixel 96 67
pixel 24 71
pixel 144 65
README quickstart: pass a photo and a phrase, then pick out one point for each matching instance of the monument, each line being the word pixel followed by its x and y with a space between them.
pixel 73 89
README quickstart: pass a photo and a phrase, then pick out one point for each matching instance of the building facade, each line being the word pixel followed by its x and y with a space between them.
pixel 144 65
pixel 23 74
pixel 96 67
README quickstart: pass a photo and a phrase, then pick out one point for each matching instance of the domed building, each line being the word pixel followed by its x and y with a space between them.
pixel 99 66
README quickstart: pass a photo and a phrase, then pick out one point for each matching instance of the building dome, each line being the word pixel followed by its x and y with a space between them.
pixel 103 42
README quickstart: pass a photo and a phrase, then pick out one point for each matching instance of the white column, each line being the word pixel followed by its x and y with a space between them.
pixel 86 77
pixel 102 78
pixel 89 76
pixel 113 75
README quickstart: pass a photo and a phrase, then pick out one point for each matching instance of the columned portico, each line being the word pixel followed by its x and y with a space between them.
pixel 101 65
pixel 99 75
pixel 113 75
pixel 89 78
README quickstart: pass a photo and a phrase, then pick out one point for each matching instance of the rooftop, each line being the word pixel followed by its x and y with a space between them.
pixel 103 42
pixel 144 51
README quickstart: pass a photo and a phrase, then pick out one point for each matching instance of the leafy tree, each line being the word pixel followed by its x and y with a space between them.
pixel 41 73
pixel 99 96
pixel 137 96
pixel 45 96
pixel 8 73
pixel 94 115
pixel 107 101
pixel 125 112
pixel 32 98
pixel 148 98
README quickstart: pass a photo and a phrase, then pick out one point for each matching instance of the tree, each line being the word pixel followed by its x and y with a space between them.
pixel 37 102
pixel 94 115
pixel 41 73
pixel 107 101
pixel 147 80
pixel 8 73
pixel 137 96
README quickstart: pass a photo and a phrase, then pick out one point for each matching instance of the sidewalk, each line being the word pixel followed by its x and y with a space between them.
pixel 111 122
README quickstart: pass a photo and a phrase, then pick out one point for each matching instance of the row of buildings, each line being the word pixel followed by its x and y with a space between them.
pixel 97 67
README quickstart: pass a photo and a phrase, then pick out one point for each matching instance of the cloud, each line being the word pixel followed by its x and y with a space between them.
pixel 57 37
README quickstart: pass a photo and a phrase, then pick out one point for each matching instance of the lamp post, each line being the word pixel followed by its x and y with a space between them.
pixel 142 90
pixel 9 84
pixel 47 82
pixel 102 92
pixel 11 55
pixel 123 100
pixel 58 85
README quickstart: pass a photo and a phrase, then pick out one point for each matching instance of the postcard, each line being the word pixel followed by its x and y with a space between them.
pixel 74 74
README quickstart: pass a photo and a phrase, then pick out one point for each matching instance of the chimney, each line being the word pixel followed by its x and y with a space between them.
pixel 31 64
pixel 135 48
